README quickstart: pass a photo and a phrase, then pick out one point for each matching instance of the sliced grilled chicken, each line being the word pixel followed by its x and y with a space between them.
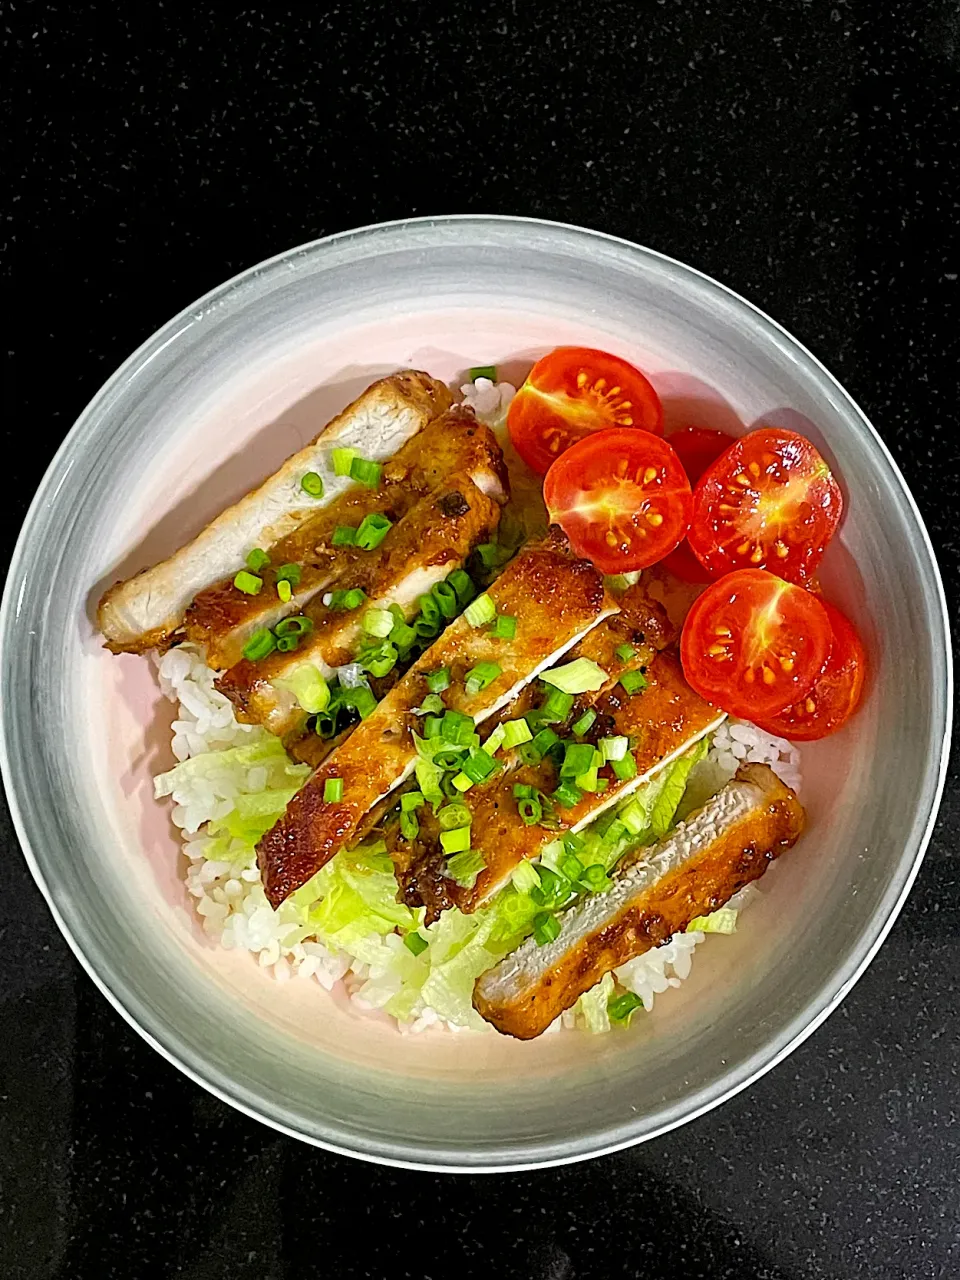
pixel 726 844
pixel 665 720
pixel 223 618
pixel 556 600
pixel 146 611
pixel 432 540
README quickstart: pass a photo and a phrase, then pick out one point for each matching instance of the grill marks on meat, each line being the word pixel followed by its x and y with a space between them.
pixel 223 618
pixel 435 538
pixel 724 846
pixel 666 719
pixel 147 611
pixel 556 600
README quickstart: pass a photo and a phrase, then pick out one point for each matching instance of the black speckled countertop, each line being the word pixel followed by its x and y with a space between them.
pixel 804 152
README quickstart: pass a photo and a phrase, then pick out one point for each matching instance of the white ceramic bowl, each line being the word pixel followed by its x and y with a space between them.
pixel 201 413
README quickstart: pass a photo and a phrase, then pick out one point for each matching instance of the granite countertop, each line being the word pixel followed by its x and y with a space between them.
pixel 803 152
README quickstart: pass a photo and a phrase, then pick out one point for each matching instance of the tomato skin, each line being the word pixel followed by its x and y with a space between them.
pixel 835 695
pixel 572 392
pixel 769 501
pixel 697 448
pixel 753 644
pixel 621 497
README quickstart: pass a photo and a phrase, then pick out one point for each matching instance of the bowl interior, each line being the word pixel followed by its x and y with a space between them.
pixel 200 415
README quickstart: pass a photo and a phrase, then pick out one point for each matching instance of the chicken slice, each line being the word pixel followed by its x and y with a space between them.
pixel 223 618
pixel 431 541
pixel 147 610
pixel 719 849
pixel 665 719
pixel 556 600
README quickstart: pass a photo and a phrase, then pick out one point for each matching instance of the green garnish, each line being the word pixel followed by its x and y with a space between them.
pixel 248 583
pixel 584 724
pixel 259 645
pixel 625 652
pixel 633 681
pixel 567 795
pixel 365 472
pixel 344 535
pixel 284 590
pixel 483 371
pixel 373 529
pixel 621 1008
pixel 439 680
pixel 378 622
pixel 257 560
pixel 626 768
pixel 416 943
pixel 480 611
pixel 577 759
pixel 504 626
pixel 545 928
pixel 480 676
pixel 455 841
pixel 351 599
pixel 342 458
pixel 332 790
pixel 465 867
pixel 297 625
pixel 312 484
pixel 579 676
pixel 462 585
pixel 289 573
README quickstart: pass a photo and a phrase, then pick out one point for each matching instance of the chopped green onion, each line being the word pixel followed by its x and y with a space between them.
pixel 351 599
pixel 411 800
pixel 545 928
pixel 634 817
pixel 429 611
pixel 332 790
pixel 479 765
pixel 515 732
pixel 525 877
pixel 344 535
pixel 309 688
pixel 409 826
pixel 483 371
pixel 428 779
pixel 360 700
pixel 312 484
pixel 289 573
pixel 584 724
pixel 573 843
pixel 432 703
pixel 556 707
pixel 259 645
pixel 530 810
pixel 437 681
pixel 381 660
pixel 722 921
pixel 452 816
pixel 480 611
pixel 495 741
pixel 342 458
pixel 378 622
pixel 588 780
pixel 297 625
pixel 432 727
pixel 373 529
pixel 595 878
pixel 465 867
pixel 567 795
pixel 613 748
pixel 626 768
pixel 462 585
pixel 625 652
pixel 403 636
pixel 572 867
pixel 491 554
pixel 446 599
pixel 257 560
pixel 621 1008
pixel 365 472
pixel 614 833
pixel 544 740
pixel 504 626
pixel 455 841
pixel 284 590
pixel 457 728
pixel 579 676
pixel 416 943
pixel 554 889
pixel 287 644
pixel 523 791
pixel 633 681
pixel 577 758
pixel 248 583
pixel 462 783
pixel 482 675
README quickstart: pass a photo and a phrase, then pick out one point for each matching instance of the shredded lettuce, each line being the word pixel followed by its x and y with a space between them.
pixel 722 921
pixel 592 1006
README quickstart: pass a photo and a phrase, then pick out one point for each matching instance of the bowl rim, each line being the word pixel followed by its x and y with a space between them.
pixel 544 1154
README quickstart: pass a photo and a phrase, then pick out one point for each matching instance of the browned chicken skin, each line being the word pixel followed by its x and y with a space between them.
pixel 695 870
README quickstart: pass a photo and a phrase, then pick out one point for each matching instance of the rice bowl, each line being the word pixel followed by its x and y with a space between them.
pixel 107 888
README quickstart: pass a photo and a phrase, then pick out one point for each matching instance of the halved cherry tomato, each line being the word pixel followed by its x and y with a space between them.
pixel 836 694
pixel 753 644
pixel 697 448
pixel 769 501
pixel 621 497
pixel 573 392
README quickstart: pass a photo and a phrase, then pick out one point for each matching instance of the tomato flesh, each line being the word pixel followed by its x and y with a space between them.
pixel 573 392
pixel 768 502
pixel 621 497
pixel 753 644
pixel 836 693
pixel 697 448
